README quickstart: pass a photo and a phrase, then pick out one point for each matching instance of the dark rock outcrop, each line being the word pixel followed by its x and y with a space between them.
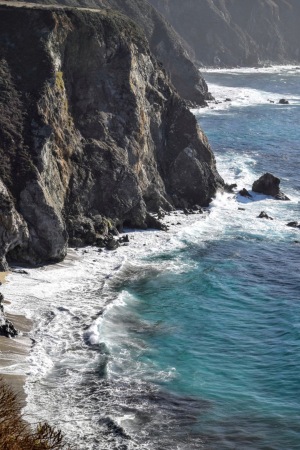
pixel 236 32
pixel 264 215
pixel 7 329
pixel 244 193
pixel 92 133
pixel 283 101
pixel 268 184
pixel 230 187
pixel 293 225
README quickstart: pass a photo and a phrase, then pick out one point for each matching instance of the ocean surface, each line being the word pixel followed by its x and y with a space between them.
pixel 188 339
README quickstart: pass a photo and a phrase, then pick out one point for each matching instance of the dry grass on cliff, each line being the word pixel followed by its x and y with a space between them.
pixel 16 434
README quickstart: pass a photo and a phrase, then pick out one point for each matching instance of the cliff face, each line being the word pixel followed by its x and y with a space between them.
pixel 92 133
pixel 165 44
pixel 235 32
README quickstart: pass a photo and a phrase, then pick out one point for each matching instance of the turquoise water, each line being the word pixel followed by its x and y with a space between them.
pixel 189 339
pixel 220 316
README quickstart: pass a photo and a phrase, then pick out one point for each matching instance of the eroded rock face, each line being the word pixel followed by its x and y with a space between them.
pixel 165 44
pixel 92 132
pixel 13 228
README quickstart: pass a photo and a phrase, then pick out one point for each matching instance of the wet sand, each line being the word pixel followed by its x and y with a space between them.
pixel 15 351
pixel 2 277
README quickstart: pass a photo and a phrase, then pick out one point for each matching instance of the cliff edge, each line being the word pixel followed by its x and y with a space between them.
pixel 165 44
pixel 92 133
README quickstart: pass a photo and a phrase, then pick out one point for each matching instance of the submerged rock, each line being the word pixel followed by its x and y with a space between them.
pixel 281 196
pixel 268 184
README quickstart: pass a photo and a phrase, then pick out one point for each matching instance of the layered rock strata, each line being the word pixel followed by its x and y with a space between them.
pixel 92 133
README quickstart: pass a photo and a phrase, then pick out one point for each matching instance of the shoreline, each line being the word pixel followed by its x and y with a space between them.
pixel 14 351
pixel 96 267
pixel 250 69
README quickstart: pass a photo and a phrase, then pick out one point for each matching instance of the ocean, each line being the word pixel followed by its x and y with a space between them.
pixel 186 339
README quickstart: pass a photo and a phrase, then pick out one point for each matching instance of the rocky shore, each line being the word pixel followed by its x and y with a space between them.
pixel 93 135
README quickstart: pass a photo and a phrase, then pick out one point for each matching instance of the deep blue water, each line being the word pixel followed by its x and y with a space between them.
pixel 220 314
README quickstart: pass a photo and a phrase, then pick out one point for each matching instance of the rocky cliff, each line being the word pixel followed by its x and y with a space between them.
pixel 236 32
pixel 165 44
pixel 92 133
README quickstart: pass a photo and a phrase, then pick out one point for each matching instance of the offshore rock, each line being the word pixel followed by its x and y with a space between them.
pixel 244 193
pixel 293 225
pixel 93 135
pixel 264 215
pixel 268 184
pixel 283 101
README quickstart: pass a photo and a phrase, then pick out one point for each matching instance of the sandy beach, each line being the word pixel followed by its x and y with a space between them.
pixel 13 352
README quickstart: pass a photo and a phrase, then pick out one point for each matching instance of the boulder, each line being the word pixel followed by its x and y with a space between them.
pixel 152 222
pixel 124 239
pixel 197 209
pixel 293 225
pixel 283 101
pixel 268 184
pixel 112 244
pixel 7 329
pixel 245 193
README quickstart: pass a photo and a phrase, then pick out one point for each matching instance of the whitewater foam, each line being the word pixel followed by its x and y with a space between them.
pixel 87 372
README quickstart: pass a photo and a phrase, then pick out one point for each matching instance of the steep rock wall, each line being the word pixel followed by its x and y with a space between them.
pixel 92 133
pixel 236 32
pixel 165 44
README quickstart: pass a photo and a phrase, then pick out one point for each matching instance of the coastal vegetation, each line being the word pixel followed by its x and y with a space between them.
pixel 17 434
